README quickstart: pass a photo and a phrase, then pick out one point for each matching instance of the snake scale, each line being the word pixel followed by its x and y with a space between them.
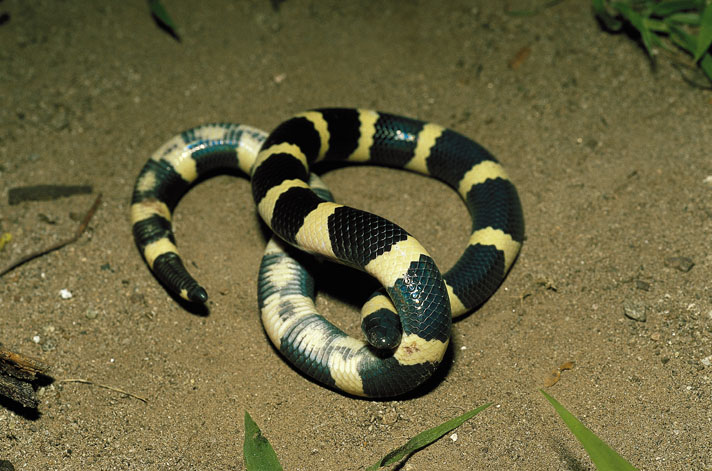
pixel 407 323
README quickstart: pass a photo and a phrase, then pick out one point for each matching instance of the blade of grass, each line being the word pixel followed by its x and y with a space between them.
pixel 603 456
pixel 636 20
pixel 689 18
pixel 680 37
pixel 704 39
pixel 675 6
pixel 257 453
pixel 611 23
pixel 162 17
pixel 706 65
pixel 656 25
pixel 424 439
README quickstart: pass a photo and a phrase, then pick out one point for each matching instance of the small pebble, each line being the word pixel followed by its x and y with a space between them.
pixel 49 345
pixel 46 219
pixel 36 339
pixel 635 311
pixel 390 417
pixel 453 437
pixel 137 298
pixel 92 313
pixel 65 294
pixel 642 285
pixel 683 264
pixel 707 361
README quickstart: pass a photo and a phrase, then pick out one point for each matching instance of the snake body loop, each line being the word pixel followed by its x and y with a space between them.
pixel 407 324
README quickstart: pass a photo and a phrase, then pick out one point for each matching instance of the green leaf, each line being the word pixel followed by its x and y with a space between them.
pixel 675 6
pixel 603 457
pixel 680 37
pixel 424 439
pixel 688 18
pixel 704 39
pixel 637 21
pixel 610 22
pixel 257 452
pixel 656 25
pixel 706 65
pixel 162 17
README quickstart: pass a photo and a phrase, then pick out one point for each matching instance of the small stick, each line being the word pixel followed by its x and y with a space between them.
pixel 110 388
pixel 80 230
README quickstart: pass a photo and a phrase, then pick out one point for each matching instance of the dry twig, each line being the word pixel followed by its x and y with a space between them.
pixel 80 230
pixel 110 388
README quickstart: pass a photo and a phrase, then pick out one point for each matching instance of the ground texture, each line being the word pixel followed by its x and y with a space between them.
pixel 610 156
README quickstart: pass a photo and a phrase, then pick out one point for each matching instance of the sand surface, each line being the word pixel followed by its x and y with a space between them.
pixel 611 158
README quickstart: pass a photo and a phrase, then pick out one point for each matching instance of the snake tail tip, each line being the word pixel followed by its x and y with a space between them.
pixel 198 295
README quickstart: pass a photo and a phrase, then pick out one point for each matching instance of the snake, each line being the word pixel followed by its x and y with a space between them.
pixel 407 322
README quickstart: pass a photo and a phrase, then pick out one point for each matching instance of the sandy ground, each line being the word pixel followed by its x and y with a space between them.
pixel 610 156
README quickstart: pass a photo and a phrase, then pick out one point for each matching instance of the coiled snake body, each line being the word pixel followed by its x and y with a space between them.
pixel 407 325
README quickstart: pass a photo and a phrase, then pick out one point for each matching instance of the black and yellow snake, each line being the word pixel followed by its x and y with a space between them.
pixel 407 325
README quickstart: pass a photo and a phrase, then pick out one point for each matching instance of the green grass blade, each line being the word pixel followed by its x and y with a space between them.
pixel 636 19
pixel 656 25
pixel 424 439
pixel 680 37
pixel 603 456
pixel 611 23
pixel 685 18
pixel 706 65
pixel 704 39
pixel 675 6
pixel 162 17
pixel 257 452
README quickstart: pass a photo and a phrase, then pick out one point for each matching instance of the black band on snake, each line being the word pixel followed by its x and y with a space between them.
pixel 408 323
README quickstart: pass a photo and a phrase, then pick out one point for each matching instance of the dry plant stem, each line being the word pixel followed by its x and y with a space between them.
pixel 80 230
pixel 110 388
